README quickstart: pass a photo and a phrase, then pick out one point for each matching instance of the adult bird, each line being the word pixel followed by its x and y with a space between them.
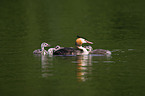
pixel 79 50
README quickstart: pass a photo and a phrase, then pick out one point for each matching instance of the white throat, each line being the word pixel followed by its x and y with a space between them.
pixel 84 50
pixel 44 52
pixel 42 48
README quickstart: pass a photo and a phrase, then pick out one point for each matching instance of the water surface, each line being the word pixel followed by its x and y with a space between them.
pixel 114 25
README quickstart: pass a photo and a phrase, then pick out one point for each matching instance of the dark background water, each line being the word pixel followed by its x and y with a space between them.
pixel 116 25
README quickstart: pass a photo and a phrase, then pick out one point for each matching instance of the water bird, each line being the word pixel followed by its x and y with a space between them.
pixel 42 50
pixel 97 51
pixel 79 50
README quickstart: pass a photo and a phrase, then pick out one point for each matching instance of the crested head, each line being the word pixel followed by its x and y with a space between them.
pixel 81 37
pixel 81 40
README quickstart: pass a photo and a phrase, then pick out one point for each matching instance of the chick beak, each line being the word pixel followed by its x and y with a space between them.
pixel 48 45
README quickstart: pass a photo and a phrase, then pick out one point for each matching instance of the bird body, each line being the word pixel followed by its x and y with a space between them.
pixel 42 50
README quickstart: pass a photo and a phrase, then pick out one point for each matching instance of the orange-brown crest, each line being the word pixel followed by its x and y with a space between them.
pixel 79 42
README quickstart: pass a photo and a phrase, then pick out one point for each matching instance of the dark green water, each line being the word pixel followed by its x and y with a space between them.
pixel 110 24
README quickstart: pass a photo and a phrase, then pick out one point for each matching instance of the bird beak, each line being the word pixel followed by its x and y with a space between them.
pixel 48 45
pixel 89 42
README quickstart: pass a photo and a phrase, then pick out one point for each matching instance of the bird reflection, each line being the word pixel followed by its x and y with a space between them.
pixel 84 67
pixel 47 66
pixel 85 63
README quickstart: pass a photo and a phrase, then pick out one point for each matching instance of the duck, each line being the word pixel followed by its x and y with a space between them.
pixel 79 50
pixel 42 50
pixel 97 51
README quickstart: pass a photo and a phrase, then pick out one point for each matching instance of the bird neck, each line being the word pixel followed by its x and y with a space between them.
pixel 84 50
pixel 42 48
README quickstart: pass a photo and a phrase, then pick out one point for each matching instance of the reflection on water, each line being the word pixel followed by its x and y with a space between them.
pixel 84 65
pixel 46 65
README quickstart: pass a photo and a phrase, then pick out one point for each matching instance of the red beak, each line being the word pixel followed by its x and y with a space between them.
pixel 89 42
